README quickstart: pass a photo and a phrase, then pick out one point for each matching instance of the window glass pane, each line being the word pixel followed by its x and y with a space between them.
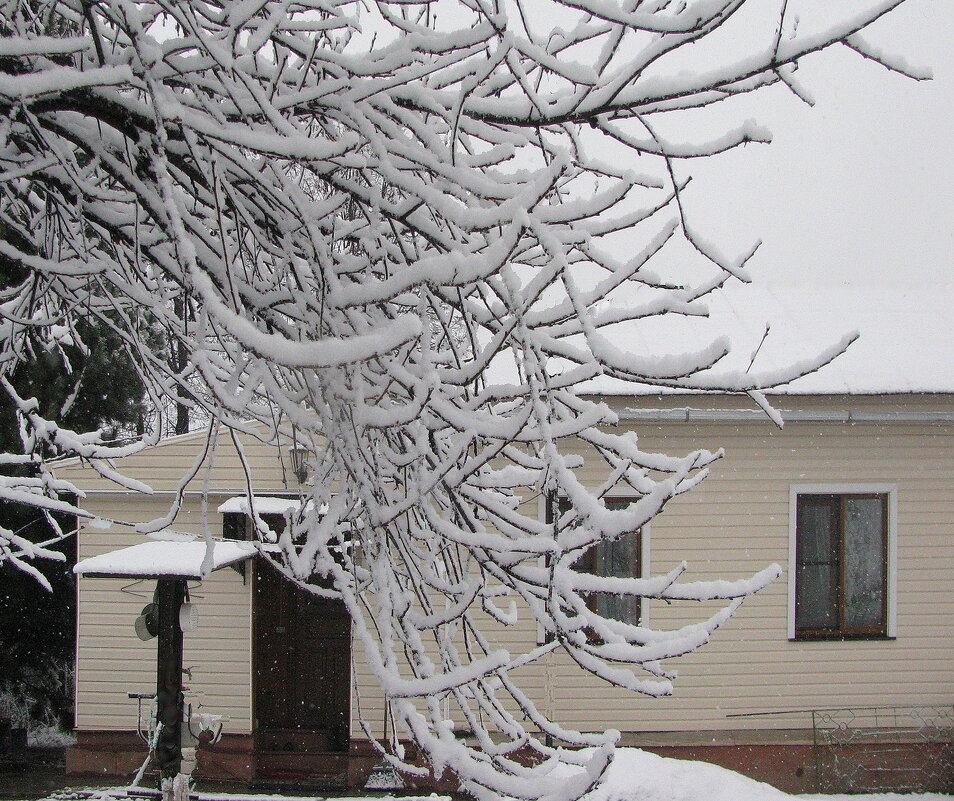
pixel 864 562
pixel 816 537
pixel 816 604
pixel 817 528
pixel 619 558
pixel 624 608
pixel 234 526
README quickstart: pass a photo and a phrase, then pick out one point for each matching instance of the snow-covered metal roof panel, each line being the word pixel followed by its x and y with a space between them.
pixel 166 559
pixel 263 505
pixel 905 342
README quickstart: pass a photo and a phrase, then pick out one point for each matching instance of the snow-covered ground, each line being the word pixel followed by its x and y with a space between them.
pixel 637 775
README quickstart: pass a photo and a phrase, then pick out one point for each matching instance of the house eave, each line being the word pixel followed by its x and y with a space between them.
pixel 688 414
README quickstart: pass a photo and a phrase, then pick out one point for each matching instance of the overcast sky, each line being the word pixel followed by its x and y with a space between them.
pixel 862 185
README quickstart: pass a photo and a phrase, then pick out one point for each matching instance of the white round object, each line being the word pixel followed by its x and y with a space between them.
pixel 188 617
pixel 147 624
pixel 142 630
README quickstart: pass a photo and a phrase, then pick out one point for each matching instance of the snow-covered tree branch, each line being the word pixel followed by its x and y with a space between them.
pixel 404 235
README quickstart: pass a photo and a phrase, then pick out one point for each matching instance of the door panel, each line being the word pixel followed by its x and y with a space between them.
pixel 302 667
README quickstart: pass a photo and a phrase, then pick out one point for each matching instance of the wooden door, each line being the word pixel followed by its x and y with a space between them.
pixel 302 668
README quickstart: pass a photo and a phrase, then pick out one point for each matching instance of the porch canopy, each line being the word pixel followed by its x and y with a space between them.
pixel 263 505
pixel 167 559
pixel 173 561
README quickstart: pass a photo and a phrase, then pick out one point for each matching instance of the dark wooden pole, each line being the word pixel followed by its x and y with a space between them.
pixel 171 595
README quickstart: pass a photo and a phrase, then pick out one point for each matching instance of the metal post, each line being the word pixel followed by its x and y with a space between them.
pixel 169 698
pixel 816 748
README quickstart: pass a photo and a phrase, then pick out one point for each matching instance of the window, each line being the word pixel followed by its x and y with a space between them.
pixel 620 558
pixel 841 564
pixel 238 525
pixel 235 526
pixel 272 510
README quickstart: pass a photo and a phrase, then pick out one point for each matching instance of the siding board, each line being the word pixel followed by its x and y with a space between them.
pixel 734 524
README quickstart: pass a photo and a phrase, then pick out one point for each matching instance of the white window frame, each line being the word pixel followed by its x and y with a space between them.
pixel 842 488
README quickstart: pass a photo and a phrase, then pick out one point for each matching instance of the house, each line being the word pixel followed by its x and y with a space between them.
pixel 854 498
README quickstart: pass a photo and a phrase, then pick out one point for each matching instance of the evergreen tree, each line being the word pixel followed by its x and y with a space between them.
pixel 89 387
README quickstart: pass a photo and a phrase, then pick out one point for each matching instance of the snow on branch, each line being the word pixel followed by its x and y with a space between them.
pixel 404 241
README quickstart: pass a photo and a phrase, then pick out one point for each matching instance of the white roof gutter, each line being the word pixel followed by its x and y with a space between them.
pixel 689 415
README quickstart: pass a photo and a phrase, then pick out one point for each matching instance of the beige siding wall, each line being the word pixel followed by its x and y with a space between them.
pixel 112 660
pixel 735 524
pixel 163 466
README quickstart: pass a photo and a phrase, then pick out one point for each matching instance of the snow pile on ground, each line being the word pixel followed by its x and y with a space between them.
pixel 636 775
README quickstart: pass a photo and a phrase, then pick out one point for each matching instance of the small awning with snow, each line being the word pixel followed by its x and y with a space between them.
pixel 165 559
pixel 266 505
pixel 262 505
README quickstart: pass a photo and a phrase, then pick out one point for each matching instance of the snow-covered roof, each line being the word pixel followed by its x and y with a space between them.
pixel 905 339
pixel 266 505
pixel 166 559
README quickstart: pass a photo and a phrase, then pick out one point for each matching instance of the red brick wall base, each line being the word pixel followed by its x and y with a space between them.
pixel 864 767
pixel 232 759
pixel 121 753
pixel 789 767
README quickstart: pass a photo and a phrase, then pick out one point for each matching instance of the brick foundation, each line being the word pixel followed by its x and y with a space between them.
pixel 232 759
pixel 788 766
